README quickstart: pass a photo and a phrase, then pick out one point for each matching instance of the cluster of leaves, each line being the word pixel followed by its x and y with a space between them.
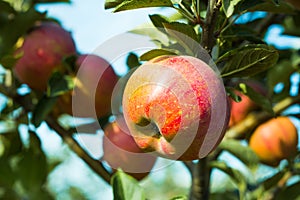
pixel 240 52
pixel 24 168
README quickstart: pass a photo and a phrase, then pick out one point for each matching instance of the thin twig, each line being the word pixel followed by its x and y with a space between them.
pixel 95 165
pixel 25 102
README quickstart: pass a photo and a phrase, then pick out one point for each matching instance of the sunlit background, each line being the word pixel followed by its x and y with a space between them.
pixel 90 26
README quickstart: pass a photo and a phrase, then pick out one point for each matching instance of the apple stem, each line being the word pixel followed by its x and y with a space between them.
pixel 148 127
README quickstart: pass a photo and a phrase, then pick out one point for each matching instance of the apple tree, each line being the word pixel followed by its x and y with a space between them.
pixel 213 83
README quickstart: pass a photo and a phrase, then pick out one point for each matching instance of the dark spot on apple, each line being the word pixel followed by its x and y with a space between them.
pixel 148 127
pixel 143 122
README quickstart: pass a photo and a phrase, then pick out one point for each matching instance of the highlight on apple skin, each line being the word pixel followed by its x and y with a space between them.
pixel 275 140
pixel 42 52
pixel 121 151
pixel 176 106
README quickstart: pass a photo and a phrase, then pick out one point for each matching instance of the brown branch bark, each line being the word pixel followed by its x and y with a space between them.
pixel 208 27
pixel 201 172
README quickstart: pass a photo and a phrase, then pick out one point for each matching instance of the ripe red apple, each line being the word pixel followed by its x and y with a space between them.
pixel 42 52
pixel 176 106
pixel 239 110
pixel 121 151
pixel 95 81
pixel 275 140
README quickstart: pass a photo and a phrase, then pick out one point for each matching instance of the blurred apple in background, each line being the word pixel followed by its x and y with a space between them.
pixel 94 84
pixel 239 110
pixel 42 53
pixel 121 151
pixel 275 140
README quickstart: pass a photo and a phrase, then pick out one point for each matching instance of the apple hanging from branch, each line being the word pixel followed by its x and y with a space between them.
pixel 94 84
pixel 121 151
pixel 239 110
pixel 42 52
pixel 176 106
pixel 275 140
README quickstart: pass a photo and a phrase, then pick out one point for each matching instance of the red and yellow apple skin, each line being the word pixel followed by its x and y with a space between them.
pixel 121 151
pixel 275 140
pixel 239 110
pixel 42 52
pixel 176 106
pixel 94 84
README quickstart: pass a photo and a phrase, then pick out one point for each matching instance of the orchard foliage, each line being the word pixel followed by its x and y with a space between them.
pixel 235 33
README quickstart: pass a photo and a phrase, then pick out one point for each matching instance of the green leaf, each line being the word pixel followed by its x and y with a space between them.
pixel 225 195
pixel 32 169
pixel 126 187
pixel 245 5
pixel 291 24
pixel 112 3
pixel 179 198
pixel 228 6
pixel 272 181
pixel 240 32
pixel 53 1
pixel 271 7
pixel 259 99
pixel 42 109
pixel 11 142
pixel 280 73
pixel 185 35
pixel 158 21
pixel 6 7
pixel 35 142
pixel 158 37
pixel 292 192
pixel 230 92
pixel 8 61
pixel 132 61
pixel 135 4
pixel 21 22
pixel 20 5
pixel 243 153
pixel 155 53
pixel 7 177
pixel 248 60
pixel 59 84
pixel 237 177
